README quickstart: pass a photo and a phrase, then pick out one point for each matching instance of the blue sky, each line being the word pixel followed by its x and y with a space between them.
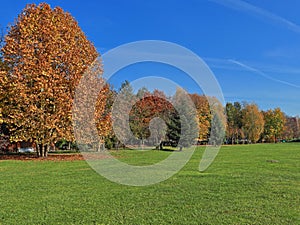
pixel 252 47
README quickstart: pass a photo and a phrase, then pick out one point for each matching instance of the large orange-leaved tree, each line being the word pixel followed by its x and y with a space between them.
pixel 46 54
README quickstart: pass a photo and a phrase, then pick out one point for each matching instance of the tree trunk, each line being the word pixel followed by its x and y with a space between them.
pixel 99 146
pixel 37 150
pixel 47 148
pixel 161 146
pixel 42 150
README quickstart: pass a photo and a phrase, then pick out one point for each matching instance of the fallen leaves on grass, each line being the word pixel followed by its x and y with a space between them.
pixel 51 157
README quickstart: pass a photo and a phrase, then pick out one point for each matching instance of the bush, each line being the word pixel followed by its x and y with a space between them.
pixel 66 145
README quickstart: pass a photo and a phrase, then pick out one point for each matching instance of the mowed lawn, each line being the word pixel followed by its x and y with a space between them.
pixel 240 187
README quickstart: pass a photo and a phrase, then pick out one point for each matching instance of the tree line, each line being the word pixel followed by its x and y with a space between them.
pixel 234 123
pixel 246 121
pixel 44 57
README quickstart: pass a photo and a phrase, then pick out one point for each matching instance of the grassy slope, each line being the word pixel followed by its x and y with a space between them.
pixel 239 188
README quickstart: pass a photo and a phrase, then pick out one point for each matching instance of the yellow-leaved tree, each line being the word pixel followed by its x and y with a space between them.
pixel 274 124
pixel 46 54
pixel 203 115
pixel 252 122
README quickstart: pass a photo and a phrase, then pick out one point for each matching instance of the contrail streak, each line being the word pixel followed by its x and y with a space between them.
pixel 240 5
pixel 262 73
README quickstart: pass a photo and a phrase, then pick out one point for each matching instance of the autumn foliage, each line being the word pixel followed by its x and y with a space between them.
pixel 274 124
pixel 253 122
pixel 203 115
pixel 149 106
pixel 51 82
pixel 91 118
pixel 46 54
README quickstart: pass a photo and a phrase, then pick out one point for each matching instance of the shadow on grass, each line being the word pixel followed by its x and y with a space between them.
pixel 168 150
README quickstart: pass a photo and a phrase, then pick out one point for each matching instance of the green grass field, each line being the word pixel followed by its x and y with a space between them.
pixel 240 187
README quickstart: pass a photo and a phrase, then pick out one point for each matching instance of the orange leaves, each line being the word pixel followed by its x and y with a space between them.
pixel 148 107
pixel 203 115
pixel 102 112
pixel 253 122
pixel 89 106
pixel 47 54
